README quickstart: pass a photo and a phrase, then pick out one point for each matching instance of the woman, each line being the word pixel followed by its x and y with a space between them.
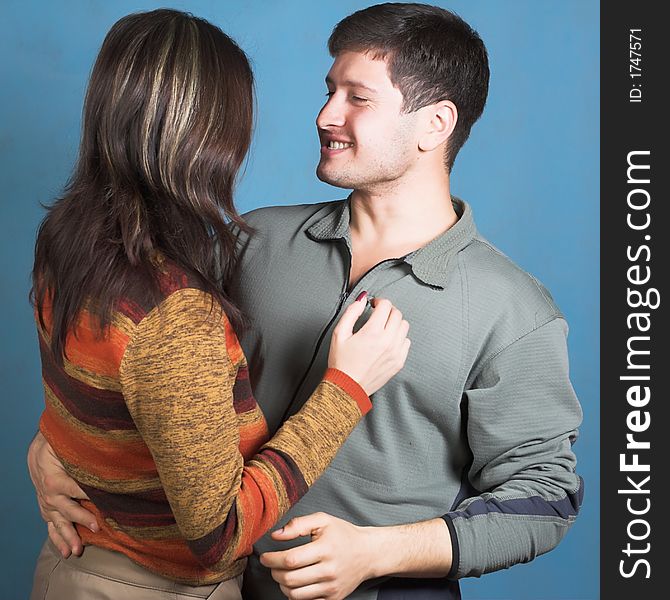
pixel 148 403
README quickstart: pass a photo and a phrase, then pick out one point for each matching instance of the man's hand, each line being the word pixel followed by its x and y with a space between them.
pixel 57 496
pixel 341 555
pixel 331 566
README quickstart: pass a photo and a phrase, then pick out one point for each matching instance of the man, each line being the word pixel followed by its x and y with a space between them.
pixel 465 466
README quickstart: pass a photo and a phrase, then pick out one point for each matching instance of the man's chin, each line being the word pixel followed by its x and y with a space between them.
pixel 332 179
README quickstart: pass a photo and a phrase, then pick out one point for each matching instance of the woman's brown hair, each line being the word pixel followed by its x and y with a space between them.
pixel 167 122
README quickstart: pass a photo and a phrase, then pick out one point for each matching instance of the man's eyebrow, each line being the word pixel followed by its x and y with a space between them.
pixel 354 84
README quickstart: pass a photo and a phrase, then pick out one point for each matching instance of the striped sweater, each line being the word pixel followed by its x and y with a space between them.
pixel 157 423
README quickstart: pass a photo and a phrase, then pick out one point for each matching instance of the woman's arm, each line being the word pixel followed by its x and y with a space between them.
pixel 55 489
pixel 178 376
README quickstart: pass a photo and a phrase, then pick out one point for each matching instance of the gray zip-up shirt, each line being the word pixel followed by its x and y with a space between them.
pixel 478 427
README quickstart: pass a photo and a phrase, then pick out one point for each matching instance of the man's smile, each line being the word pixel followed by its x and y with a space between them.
pixel 331 146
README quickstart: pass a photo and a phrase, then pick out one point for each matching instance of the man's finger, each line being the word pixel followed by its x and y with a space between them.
pixel 294 578
pixel 58 541
pixel 62 484
pixel 67 509
pixel 301 526
pixel 76 513
pixel 286 560
pixel 69 534
pixel 312 592
pixel 295 558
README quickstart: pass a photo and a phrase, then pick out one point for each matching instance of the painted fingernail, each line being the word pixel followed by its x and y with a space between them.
pixel 361 296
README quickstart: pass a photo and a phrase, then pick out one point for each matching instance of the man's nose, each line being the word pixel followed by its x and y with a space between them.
pixel 332 114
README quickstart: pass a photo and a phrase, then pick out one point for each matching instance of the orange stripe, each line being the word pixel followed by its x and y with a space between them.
pixel 252 437
pixel 233 347
pixel 351 387
pixel 167 556
pixel 97 455
pixel 88 350
pixel 259 505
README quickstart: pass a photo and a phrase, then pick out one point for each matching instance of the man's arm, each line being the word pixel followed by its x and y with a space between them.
pixel 341 555
pixel 522 421
pixel 57 496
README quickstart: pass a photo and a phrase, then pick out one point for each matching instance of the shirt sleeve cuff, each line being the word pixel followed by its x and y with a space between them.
pixel 351 387
pixel 455 551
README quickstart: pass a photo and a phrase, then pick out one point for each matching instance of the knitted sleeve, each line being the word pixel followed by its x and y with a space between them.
pixel 177 377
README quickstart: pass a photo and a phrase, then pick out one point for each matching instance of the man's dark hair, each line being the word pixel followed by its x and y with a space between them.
pixel 432 55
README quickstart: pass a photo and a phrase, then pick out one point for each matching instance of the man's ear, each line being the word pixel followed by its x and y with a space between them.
pixel 441 119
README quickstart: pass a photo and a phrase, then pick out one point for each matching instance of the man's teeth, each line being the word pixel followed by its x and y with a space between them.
pixel 339 145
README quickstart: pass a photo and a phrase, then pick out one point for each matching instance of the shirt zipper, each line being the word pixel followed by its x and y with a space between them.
pixel 343 296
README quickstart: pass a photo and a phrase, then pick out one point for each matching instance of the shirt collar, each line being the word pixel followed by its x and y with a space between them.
pixel 430 263
pixel 334 226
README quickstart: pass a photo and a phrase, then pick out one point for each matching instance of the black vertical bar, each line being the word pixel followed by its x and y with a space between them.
pixel 635 127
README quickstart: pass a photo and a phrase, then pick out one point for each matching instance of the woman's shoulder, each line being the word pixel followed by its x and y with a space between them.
pixel 175 286
pixel 183 314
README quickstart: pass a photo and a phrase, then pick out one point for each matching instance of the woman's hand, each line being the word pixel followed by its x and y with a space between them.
pixel 376 352
pixel 57 497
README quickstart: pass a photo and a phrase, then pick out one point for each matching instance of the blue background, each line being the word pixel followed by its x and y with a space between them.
pixel 530 172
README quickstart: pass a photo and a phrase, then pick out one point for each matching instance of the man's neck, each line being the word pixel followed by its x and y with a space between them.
pixel 406 215
pixel 396 220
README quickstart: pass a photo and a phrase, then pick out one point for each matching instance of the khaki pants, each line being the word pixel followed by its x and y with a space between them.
pixel 100 574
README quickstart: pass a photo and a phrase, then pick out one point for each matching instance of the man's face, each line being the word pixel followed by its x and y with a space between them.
pixel 366 139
